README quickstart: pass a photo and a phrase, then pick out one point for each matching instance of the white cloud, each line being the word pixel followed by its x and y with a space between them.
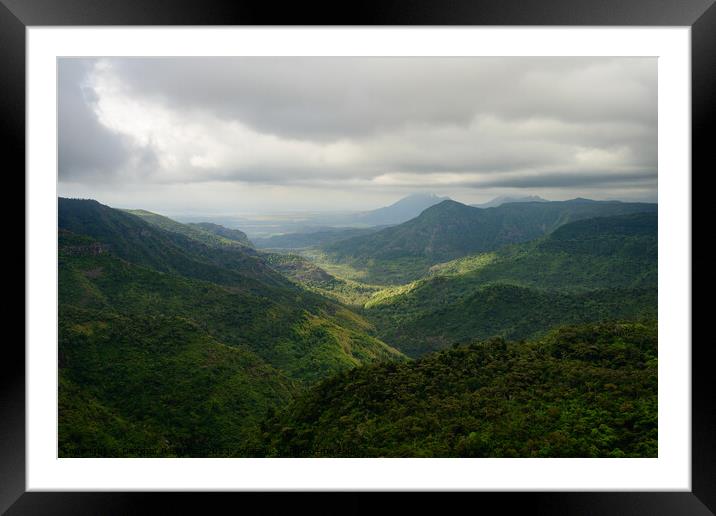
pixel 357 124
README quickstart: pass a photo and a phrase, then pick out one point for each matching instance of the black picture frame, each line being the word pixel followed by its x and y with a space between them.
pixel 16 15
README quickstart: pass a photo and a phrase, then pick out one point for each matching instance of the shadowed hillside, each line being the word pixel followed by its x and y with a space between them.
pixel 584 391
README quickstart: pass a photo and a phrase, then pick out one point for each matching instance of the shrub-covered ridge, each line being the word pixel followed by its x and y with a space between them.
pixel 581 391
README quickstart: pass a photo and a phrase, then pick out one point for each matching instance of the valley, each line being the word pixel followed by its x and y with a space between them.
pixel 427 328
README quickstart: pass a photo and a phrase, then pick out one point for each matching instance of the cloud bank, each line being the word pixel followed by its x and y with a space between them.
pixel 314 132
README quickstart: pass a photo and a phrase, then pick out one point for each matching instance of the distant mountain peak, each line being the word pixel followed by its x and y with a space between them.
pixel 451 229
pixel 419 197
pixel 402 210
pixel 423 195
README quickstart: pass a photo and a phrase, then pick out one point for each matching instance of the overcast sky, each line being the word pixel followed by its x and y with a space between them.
pixel 234 136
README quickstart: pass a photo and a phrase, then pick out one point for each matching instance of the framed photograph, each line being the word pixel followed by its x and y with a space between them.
pixel 413 249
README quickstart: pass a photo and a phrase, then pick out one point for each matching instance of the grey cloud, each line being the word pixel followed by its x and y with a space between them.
pixel 580 179
pixel 334 98
pixel 87 150
pixel 564 124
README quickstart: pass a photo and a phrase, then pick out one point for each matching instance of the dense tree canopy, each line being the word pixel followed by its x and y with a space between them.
pixel 583 391
pixel 183 340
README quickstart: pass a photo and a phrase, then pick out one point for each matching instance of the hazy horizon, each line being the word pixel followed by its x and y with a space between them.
pixel 268 214
pixel 239 136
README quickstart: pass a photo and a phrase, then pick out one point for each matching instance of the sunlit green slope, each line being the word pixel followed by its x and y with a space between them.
pixel 182 347
pixel 589 270
pixel 451 230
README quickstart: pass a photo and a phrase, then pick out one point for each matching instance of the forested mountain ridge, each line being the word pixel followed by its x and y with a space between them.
pixel 158 311
pixel 588 270
pixel 135 240
pixel 268 299
pixel 620 251
pixel 290 329
pixel 177 341
pixel 234 235
pixel 449 230
pixel 207 233
pixel 511 311
pixel 581 391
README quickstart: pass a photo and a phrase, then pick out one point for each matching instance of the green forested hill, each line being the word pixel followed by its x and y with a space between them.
pixel 175 340
pixel 588 270
pixel 584 391
pixel 450 230
pixel 135 240
pixel 152 385
pixel 303 334
pixel 509 311
pixel 233 235
pixel 212 235
pixel 143 310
